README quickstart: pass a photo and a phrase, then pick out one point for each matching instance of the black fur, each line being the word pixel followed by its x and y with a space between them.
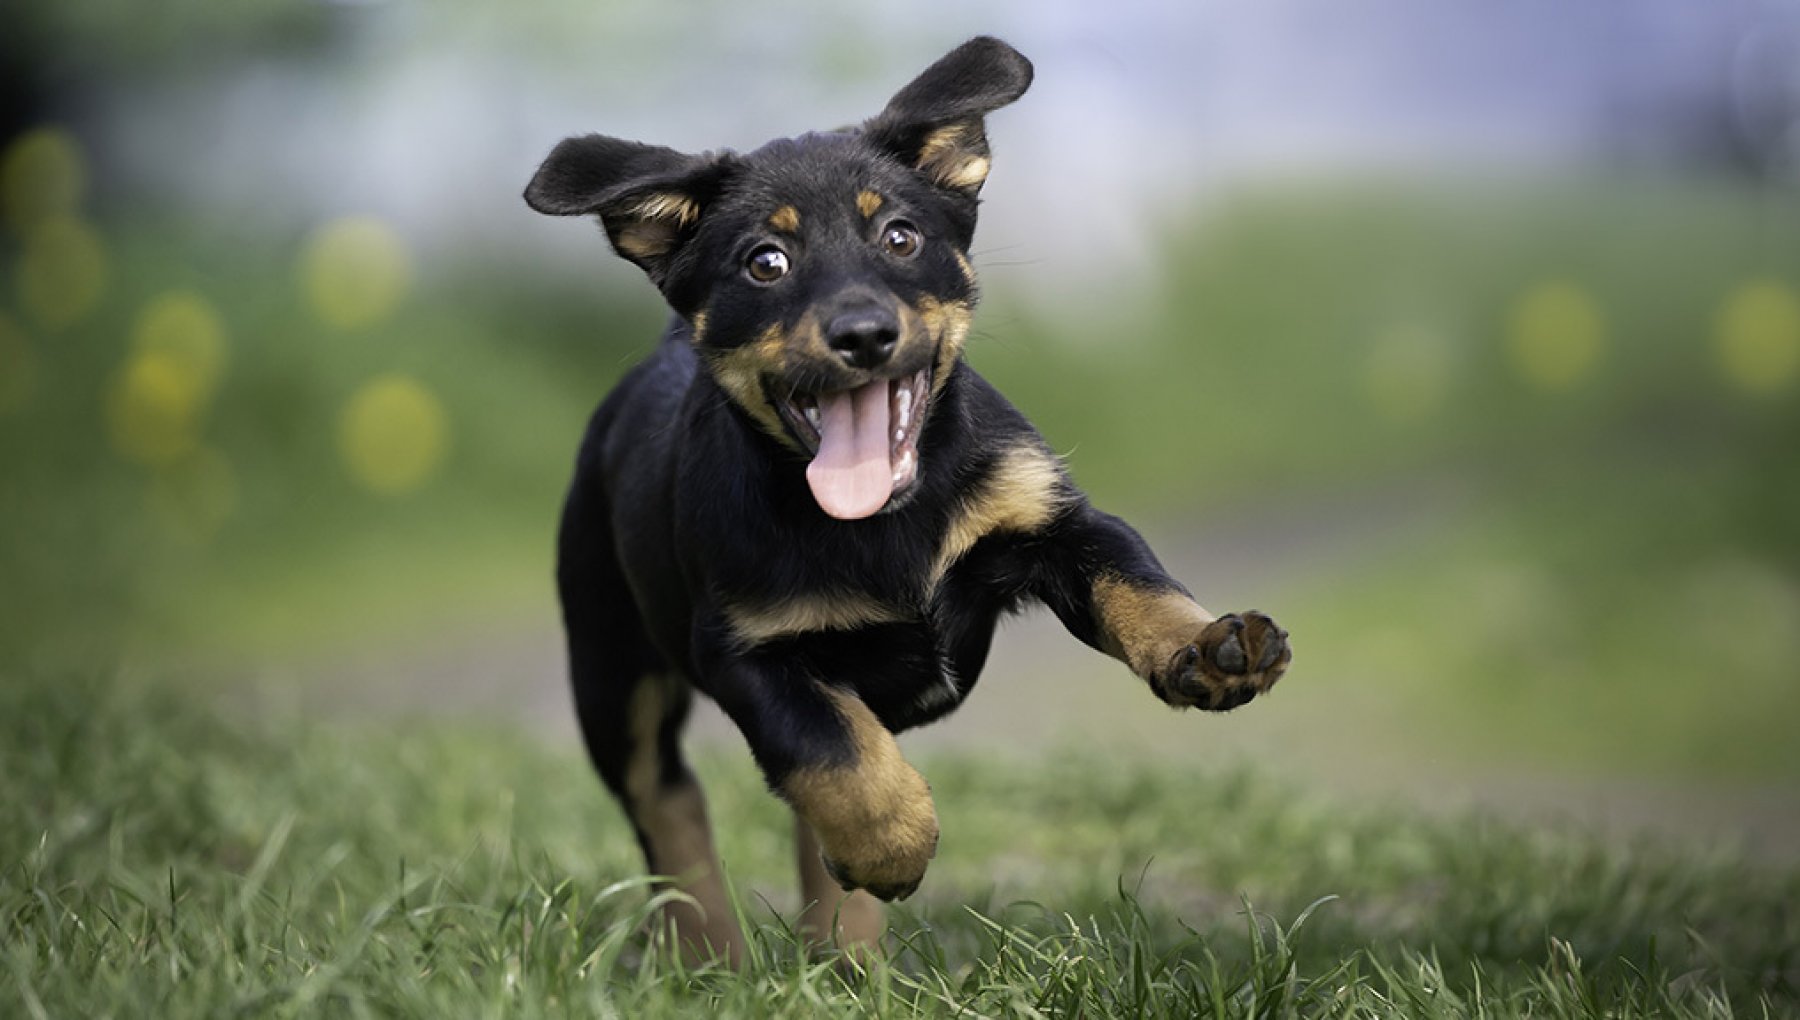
pixel 688 503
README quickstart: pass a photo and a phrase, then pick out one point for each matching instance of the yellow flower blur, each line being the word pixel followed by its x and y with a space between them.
pixel 153 410
pixel 62 273
pixel 1757 337
pixel 354 272
pixel 183 327
pixel 42 176
pixel 1555 335
pixel 393 434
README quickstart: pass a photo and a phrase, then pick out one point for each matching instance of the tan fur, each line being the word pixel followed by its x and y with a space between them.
pixel 967 173
pixel 1022 494
pixel 677 838
pixel 963 263
pixel 868 203
pixel 1145 629
pixel 740 373
pixel 650 228
pixel 679 209
pixel 644 239
pixel 697 330
pixel 946 322
pixel 874 817
pixel 785 219
pixel 852 921
pixel 955 156
pixel 754 625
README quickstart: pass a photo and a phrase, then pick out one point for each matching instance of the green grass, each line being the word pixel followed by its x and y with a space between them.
pixel 156 860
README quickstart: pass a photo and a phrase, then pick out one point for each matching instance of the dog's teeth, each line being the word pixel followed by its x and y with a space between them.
pixel 812 417
pixel 899 434
pixel 905 401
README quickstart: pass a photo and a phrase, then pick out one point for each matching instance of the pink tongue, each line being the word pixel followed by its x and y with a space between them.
pixel 850 476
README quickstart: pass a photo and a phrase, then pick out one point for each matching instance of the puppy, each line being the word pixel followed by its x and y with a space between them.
pixel 806 505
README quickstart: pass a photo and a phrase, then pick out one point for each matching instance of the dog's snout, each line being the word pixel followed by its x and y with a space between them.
pixel 863 338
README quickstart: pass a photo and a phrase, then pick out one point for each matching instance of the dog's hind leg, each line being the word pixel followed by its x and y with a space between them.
pixel 631 708
pixel 852 921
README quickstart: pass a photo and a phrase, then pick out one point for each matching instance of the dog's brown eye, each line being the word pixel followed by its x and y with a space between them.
pixel 767 264
pixel 901 239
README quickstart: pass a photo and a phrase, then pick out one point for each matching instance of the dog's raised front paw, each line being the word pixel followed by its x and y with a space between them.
pixel 1235 658
pixel 889 862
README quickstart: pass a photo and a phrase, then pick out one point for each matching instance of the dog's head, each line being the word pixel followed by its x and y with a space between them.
pixel 825 278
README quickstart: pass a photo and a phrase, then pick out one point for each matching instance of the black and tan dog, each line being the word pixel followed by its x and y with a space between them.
pixel 808 506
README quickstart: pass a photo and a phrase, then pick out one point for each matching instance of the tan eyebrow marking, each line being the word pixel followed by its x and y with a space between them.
pixel 867 202
pixel 785 219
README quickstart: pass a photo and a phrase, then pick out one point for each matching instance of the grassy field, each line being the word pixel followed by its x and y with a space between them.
pixel 1498 461
pixel 156 860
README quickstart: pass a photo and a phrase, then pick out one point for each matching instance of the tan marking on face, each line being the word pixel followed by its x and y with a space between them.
pixel 955 156
pixel 867 203
pixel 963 263
pixel 677 838
pixel 1024 492
pixel 697 328
pixel 874 817
pixel 948 324
pixel 1145 628
pixel 808 614
pixel 740 371
pixel 785 219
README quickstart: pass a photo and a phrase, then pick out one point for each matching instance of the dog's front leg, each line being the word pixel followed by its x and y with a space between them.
pixel 840 769
pixel 1101 579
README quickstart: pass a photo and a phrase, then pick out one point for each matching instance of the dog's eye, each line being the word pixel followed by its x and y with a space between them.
pixel 767 264
pixel 901 239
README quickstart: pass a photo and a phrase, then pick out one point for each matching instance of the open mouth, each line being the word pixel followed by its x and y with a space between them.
pixel 864 441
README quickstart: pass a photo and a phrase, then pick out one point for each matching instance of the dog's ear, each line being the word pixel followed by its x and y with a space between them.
pixel 934 124
pixel 648 197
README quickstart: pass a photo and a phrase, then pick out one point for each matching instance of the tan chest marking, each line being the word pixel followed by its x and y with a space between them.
pixel 1022 494
pixel 809 614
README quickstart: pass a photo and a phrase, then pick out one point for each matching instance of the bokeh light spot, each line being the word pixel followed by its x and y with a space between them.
pixel 1407 376
pixel 196 494
pixel 185 328
pixel 393 434
pixel 153 410
pixel 1555 335
pixel 42 176
pixel 18 368
pixel 62 273
pixel 355 271
pixel 1758 337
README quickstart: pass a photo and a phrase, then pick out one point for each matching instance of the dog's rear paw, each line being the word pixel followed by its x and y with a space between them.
pixel 1236 657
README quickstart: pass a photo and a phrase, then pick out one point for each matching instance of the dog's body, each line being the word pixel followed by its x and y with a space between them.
pixel 807 505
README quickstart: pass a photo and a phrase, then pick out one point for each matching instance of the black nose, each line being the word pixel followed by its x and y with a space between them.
pixel 864 339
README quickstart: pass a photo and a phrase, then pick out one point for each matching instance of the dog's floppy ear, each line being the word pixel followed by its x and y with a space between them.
pixel 647 197
pixel 934 124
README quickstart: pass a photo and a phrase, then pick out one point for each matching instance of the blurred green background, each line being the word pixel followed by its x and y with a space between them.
pixel 1466 344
